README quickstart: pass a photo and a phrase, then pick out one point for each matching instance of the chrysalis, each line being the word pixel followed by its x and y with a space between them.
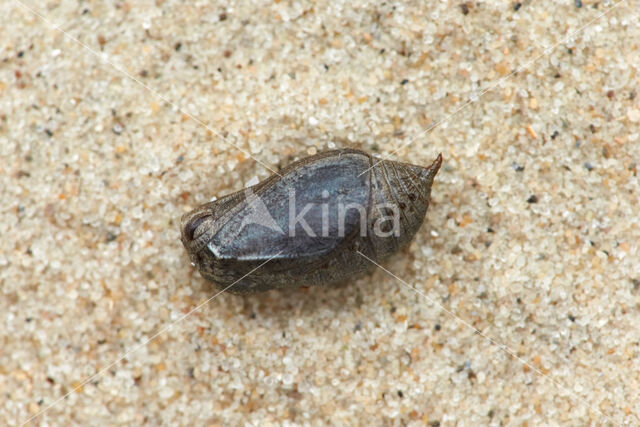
pixel 311 225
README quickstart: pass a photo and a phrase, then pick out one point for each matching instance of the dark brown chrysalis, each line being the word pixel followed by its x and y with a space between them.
pixel 307 226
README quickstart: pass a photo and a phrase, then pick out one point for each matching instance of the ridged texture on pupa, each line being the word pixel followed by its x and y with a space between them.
pixel 228 238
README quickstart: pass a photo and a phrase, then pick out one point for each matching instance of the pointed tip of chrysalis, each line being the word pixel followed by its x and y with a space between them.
pixel 435 166
pixel 421 175
pixel 431 171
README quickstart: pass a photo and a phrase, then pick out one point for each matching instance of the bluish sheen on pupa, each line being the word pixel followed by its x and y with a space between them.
pixel 310 225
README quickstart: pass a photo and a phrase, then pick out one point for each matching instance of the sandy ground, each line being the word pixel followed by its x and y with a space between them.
pixel 526 308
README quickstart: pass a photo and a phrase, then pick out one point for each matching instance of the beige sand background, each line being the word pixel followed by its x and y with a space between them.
pixel 532 238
